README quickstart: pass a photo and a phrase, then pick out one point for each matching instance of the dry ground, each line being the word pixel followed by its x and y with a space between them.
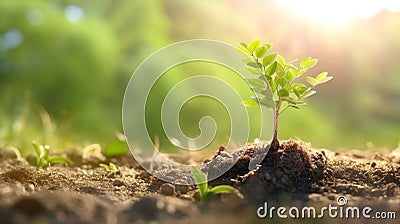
pixel 295 175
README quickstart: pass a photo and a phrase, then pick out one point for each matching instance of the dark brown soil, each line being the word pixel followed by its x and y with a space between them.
pixel 294 175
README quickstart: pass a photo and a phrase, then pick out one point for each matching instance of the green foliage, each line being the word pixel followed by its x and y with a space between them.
pixel 42 156
pixel 205 190
pixel 275 80
pixel 110 166
pixel 275 75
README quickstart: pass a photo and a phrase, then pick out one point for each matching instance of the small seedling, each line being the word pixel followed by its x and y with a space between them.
pixel 274 84
pixel 205 190
pixel 42 156
pixel 110 166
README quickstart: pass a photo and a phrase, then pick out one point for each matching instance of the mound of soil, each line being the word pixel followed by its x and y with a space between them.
pixel 294 175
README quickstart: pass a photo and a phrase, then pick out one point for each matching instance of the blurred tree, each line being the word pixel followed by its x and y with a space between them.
pixel 75 57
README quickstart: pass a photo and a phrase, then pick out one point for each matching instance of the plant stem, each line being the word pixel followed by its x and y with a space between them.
pixel 275 141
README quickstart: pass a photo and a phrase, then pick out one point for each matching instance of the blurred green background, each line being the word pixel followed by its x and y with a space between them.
pixel 64 65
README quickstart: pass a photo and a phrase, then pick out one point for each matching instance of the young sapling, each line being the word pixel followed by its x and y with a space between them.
pixel 274 83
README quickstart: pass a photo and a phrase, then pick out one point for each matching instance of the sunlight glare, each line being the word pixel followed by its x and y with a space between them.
pixel 338 12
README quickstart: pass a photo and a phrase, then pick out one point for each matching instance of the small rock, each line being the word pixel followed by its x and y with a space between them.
pixel 197 196
pixel 8 154
pixel 267 176
pixel 30 188
pixel 376 192
pixel 31 160
pixel 183 189
pixel 373 164
pixel 118 183
pixel 167 189
pixel 377 173
pixel 185 197
pixel 144 176
pixel 390 189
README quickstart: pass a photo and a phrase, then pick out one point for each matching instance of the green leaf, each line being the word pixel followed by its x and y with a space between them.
pixel 281 60
pixel 270 70
pixel 256 83
pixel 247 60
pixel 325 79
pixel 312 81
pixel 263 78
pixel 257 90
pixel 46 150
pixel 268 101
pixel 269 59
pixel 242 50
pixel 280 70
pixel 253 45
pixel 37 150
pixel 283 93
pixel 308 94
pixel 253 70
pixel 222 189
pixel 268 46
pixel 105 166
pixel 289 99
pixel 271 83
pixel 281 81
pixel 308 62
pixel 299 72
pixel 299 89
pixel 294 106
pixel 261 51
pixel 201 181
pixel 243 44
pixel 268 93
pixel 301 103
pixel 253 64
pixel 289 75
pixel 250 103
pixel 291 66
pixel 58 159
pixel 321 76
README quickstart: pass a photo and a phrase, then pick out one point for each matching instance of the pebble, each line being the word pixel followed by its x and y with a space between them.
pixel 267 176
pixel 30 188
pixel 183 189
pixel 197 196
pixel 390 189
pixel 167 189
pixel 118 183
pixel 376 192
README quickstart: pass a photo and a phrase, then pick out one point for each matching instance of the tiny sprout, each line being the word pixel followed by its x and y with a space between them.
pixel 42 156
pixel 110 166
pixel 205 190
pixel 274 83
